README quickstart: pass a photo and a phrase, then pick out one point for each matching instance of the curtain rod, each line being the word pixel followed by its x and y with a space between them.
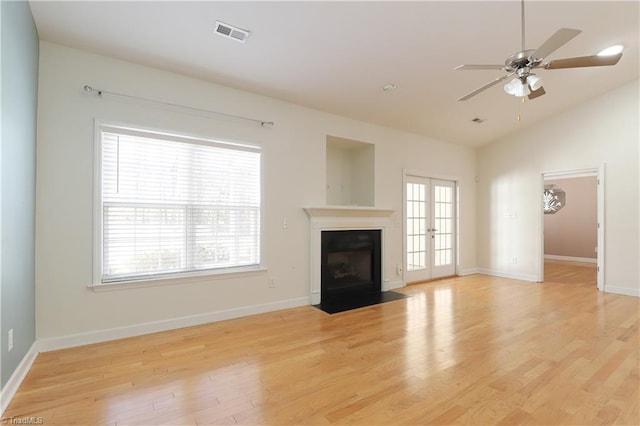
pixel 100 92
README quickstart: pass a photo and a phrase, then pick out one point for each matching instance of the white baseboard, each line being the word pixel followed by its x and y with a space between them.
pixel 511 275
pixel 571 258
pixel 11 387
pixel 390 285
pixel 626 291
pixel 468 271
pixel 72 340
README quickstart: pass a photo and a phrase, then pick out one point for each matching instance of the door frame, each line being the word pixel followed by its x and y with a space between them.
pixel 456 222
pixel 599 173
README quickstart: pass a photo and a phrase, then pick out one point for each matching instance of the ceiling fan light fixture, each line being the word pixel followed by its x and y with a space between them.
pixel 534 82
pixel 611 50
pixel 517 88
pixel 510 89
pixel 522 90
pixel 512 86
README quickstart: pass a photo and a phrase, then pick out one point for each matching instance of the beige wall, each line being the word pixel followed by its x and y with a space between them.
pixel 603 131
pixel 508 191
pixel 572 231
pixel 294 153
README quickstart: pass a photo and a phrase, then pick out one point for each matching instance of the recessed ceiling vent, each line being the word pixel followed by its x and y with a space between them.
pixel 234 33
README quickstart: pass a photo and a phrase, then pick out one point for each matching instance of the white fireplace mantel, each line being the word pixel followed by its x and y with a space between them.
pixel 347 211
pixel 341 218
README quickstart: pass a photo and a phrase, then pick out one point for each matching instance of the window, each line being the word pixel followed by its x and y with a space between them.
pixel 172 205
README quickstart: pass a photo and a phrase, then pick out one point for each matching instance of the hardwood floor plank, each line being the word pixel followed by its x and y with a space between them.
pixel 470 350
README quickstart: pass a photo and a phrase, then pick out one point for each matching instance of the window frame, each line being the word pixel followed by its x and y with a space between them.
pixel 97 283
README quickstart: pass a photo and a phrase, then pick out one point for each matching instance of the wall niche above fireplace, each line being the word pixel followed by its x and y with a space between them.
pixel 350 172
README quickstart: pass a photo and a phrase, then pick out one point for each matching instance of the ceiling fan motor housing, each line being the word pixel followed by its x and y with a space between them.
pixel 521 60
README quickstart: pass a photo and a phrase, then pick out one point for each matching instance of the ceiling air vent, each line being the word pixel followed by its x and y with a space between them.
pixel 234 33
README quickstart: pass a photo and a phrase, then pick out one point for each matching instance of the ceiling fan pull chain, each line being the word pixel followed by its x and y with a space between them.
pixel 520 109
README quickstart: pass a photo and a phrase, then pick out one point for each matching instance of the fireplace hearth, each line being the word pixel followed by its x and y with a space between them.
pixel 351 270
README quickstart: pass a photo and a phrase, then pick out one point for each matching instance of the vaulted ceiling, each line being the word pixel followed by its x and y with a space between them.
pixel 337 56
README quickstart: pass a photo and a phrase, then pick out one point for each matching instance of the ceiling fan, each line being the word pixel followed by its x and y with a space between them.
pixel 522 63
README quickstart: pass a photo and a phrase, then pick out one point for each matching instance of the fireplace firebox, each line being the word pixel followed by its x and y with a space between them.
pixel 351 264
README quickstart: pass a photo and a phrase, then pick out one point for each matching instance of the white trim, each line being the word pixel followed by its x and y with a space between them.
pixel 570 174
pixel 72 340
pixel 511 275
pixel 599 173
pixel 468 271
pixel 331 218
pixel 11 387
pixel 438 176
pixel 347 211
pixel 601 217
pixel 101 126
pixel 136 131
pixel 625 291
pixel 185 279
pixel 571 258
pixel 457 240
pixel 96 237
pixel 391 285
pixel 540 239
pixel 406 174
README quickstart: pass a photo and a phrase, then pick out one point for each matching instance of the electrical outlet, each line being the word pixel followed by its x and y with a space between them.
pixel 272 283
pixel 10 340
pixel 514 260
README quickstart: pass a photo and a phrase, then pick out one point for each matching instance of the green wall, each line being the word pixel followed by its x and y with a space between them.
pixel 19 94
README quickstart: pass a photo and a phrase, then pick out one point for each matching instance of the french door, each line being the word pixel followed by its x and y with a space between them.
pixel 430 228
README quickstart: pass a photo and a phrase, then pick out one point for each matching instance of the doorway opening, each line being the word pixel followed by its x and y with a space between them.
pixel 572 227
pixel 430 225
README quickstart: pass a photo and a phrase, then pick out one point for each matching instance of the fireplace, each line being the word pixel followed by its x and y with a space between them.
pixel 345 218
pixel 351 264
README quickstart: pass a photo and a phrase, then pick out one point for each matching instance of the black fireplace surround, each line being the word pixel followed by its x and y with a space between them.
pixel 351 264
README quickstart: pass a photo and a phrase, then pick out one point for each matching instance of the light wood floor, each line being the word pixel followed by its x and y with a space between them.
pixel 473 350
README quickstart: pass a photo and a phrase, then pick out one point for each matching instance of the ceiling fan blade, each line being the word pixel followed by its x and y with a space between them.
pixel 485 87
pixel 479 67
pixel 583 61
pixel 537 93
pixel 556 41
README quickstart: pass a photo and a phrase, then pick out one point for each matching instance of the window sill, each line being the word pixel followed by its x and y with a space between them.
pixel 183 279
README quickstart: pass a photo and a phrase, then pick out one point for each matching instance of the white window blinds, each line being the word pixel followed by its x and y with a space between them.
pixel 174 205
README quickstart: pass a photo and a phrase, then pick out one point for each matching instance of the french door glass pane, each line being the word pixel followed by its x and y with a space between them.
pixel 416 226
pixel 443 199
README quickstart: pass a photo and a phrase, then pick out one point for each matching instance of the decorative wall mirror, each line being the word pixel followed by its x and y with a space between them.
pixel 554 199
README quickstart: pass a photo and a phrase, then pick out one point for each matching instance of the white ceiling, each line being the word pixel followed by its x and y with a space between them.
pixel 336 56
